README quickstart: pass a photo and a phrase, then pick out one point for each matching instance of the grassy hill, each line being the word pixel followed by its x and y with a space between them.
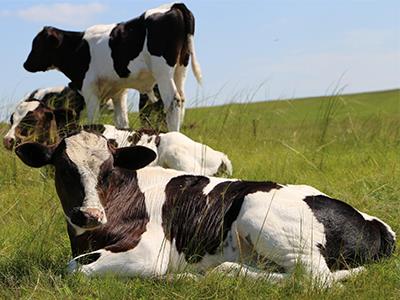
pixel 347 146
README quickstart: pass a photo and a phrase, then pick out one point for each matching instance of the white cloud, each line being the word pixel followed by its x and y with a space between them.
pixel 62 13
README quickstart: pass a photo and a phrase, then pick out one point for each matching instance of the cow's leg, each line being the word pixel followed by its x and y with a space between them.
pixel 180 78
pixel 344 274
pixel 150 257
pixel 164 75
pixel 102 262
pixel 120 102
pixel 235 269
pixel 92 102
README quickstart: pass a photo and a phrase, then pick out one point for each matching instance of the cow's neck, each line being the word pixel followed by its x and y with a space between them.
pixel 126 214
pixel 73 57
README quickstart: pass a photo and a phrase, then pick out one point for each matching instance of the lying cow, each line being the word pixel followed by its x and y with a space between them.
pixel 104 60
pixel 128 219
pixel 174 150
pixel 34 114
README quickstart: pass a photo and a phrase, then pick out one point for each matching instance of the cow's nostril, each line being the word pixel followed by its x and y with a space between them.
pixel 94 216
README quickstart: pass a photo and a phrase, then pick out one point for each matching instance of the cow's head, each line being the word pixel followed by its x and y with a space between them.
pixel 83 162
pixel 44 46
pixel 34 121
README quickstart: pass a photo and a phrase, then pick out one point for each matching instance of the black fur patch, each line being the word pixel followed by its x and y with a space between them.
pixel 95 128
pixel 73 58
pixel 126 42
pixel 32 95
pixel 200 223
pixel 166 36
pixel 350 239
pixel 12 119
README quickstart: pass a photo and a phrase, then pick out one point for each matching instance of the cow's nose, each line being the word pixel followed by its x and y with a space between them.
pixel 94 217
pixel 8 143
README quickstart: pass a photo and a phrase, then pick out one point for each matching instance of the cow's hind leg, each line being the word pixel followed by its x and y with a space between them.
pixel 180 78
pixel 164 76
pixel 344 274
pixel 235 269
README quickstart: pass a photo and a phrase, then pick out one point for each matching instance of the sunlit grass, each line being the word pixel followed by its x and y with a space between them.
pixel 346 146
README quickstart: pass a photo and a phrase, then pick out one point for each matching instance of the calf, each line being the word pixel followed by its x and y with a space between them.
pixel 173 149
pixel 129 220
pixel 36 111
pixel 104 60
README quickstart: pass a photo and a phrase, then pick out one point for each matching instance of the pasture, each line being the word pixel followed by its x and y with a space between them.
pixel 348 146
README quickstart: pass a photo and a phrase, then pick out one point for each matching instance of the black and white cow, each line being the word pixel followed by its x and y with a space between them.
pixel 130 220
pixel 173 150
pixel 104 60
pixel 36 110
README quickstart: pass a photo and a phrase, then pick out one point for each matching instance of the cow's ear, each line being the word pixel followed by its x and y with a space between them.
pixel 133 158
pixel 54 35
pixel 34 154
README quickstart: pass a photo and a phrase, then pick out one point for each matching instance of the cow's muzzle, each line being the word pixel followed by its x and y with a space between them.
pixel 88 217
pixel 8 143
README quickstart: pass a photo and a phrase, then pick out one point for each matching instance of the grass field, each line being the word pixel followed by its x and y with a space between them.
pixel 347 146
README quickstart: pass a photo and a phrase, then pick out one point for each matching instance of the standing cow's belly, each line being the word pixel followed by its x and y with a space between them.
pixel 107 88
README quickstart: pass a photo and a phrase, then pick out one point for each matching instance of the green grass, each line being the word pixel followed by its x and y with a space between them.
pixel 347 146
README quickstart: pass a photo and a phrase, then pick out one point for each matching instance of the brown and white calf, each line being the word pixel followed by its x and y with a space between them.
pixel 128 219
pixel 103 61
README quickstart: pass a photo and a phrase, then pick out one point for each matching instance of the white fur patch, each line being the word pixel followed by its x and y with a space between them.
pixel 161 10
pixel 88 151
pixel 21 111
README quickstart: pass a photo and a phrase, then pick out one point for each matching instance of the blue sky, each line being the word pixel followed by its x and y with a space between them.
pixel 248 50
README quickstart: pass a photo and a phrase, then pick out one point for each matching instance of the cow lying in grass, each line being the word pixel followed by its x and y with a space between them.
pixel 33 115
pixel 129 219
pixel 174 150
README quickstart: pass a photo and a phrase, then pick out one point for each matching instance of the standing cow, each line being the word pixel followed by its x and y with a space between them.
pixel 103 61
pixel 129 220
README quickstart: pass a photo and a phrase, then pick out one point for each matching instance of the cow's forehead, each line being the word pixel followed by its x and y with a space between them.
pixel 23 108
pixel 87 150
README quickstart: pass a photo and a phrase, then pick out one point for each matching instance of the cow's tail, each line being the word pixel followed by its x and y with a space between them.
pixel 188 47
pixel 195 64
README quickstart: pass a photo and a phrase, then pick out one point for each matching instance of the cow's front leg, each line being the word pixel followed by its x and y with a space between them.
pixel 101 262
pixel 120 102
pixel 92 102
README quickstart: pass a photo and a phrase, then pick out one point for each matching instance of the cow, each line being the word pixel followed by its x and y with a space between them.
pixel 174 149
pixel 103 61
pixel 129 219
pixel 36 111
